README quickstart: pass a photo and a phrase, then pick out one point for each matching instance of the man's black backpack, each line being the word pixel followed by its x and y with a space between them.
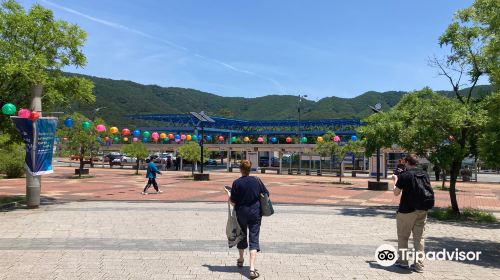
pixel 423 190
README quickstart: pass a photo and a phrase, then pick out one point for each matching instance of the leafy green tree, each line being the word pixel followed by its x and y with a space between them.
pixel 34 47
pixel 432 126
pixel 137 150
pixel 79 141
pixel 489 141
pixel 11 158
pixel 192 152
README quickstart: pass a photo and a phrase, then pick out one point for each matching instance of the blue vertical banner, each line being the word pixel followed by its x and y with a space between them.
pixel 38 137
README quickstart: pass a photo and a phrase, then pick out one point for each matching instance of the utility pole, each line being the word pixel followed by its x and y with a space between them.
pixel 34 182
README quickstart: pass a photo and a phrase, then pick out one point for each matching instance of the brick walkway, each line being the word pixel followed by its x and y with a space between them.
pixel 120 184
pixel 156 240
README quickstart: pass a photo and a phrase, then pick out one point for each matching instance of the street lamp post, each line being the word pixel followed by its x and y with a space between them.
pixel 300 130
pixel 377 185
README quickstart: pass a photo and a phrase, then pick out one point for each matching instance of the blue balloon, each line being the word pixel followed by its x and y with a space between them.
pixel 274 140
pixel 209 138
pixel 177 136
pixel 68 122
pixel 145 139
pixel 137 133
pixel 57 139
pixel 354 138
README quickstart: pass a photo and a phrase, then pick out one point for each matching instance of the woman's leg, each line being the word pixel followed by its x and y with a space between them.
pixel 253 257
pixel 242 252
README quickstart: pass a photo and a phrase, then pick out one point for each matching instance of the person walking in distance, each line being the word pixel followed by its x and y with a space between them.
pixel 151 172
pixel 417 197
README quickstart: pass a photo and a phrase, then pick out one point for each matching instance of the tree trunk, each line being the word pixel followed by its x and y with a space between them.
pixel 82 165
pixel 340 172
pixel 455 168
pixel 137 167
pixel 444 178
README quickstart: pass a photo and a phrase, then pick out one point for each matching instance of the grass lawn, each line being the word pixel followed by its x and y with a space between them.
pixel 468 214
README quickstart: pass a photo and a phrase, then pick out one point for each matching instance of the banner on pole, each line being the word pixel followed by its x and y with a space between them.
pixel 38 137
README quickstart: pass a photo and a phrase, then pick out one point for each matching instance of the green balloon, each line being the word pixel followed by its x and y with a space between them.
pixel 86 125
pixel 303 139
pixel 9 109
pixel 234 139
pixel 146 134
pixel 116 139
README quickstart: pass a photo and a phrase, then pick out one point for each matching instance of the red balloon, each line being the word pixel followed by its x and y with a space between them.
pixel 126 131
pixel 170 136
pixel 106 139
pixel 288 140
pixel 221 138
pixel 34 116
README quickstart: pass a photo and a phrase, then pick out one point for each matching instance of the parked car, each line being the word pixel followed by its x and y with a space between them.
pixel 126 158
pixel 211 161
pixel 275 162
pixel 264 162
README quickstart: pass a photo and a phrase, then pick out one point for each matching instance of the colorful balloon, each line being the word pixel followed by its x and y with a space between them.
pixel 34 116
pixel 135 139
pixel 125 139
pixel 170 136
pixel 146 134
pixel 336 139
pixel 177 136
pixel 354 138
pixel 195 138
pixel 209 138
pixel 24 113
pixel 69 122
pixel 288 139
pixel 246 139
pixel 136 133
pixel 183 137
pixel 177 140
pixel 86 125
pixel 113 130
pixel 189 137
pixel 8 109
pixel 234 139
pixel 145 139
pixel 319 139
pixel 106 139
pixel 125 131
pixel 260 139
pixel 303 139
pixel 155 135
pixel 163 136
pixel 100 128
pixel 221 138
pixel 274 139
pixel 166 140
pixel 116 139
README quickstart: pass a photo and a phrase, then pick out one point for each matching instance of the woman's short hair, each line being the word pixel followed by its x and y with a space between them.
pixel 245 166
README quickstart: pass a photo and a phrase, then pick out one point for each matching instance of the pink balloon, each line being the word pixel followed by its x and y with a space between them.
pixel 336 139
pixel 177 140
pixel 135 139
pixel 183 137
pixel 260 139
pixel 155 135
pixel 100 128
pixel 24 113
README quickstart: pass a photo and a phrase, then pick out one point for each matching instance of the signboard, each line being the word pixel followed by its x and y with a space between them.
pixel 253 157
pixel 38 137
pixel 373 165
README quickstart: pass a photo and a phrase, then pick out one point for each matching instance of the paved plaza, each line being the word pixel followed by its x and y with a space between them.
pixel 102 228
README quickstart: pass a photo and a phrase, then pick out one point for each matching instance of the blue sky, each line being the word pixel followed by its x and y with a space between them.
pixel 255 48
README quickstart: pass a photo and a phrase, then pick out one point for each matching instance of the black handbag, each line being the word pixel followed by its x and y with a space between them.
pixel 266 206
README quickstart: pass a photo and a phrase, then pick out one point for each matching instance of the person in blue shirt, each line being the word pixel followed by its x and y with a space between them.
pixel 151 172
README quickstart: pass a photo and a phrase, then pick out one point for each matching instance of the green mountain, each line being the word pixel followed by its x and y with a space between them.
pixel 123 98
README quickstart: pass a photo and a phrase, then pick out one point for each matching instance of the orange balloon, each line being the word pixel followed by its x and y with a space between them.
pixel 189 137
pixel 246 139
pixel 163 135
pixel 113 130
pixel 319 139
pixel 125 139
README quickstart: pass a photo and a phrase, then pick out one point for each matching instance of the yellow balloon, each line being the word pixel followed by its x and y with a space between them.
pixel 188 137
pixel 125 139
pixel 246 139
pixel 319 139
pixel 113 130
pixel 163 135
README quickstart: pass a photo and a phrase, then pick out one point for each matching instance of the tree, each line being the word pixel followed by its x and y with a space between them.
pixel 474 51
pixel 429 125
pixel 137 150
pixel 80 140
pixel 34 47
pixel 489 141
pixel 192 152
pixel 327 147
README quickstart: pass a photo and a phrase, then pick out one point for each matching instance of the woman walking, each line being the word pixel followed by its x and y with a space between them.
pixel 245 196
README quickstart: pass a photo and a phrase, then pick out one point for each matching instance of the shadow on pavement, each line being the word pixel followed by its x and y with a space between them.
pixel 379 211
pixel 228 269
pixel 395 269
pixel 490 250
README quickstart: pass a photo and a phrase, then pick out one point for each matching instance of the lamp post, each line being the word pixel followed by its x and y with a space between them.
pixel 378 186
pixel 300 130
pixel 202 120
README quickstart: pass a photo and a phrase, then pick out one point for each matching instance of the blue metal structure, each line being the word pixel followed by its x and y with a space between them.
pixel 225 126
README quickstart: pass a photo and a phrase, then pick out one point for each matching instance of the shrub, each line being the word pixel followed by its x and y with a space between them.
pixel 12 160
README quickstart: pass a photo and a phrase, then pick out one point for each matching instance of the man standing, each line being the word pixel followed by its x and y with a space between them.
pixel 417 197
pixel 151 172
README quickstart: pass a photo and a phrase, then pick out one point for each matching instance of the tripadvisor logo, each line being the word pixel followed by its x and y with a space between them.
pixel 387 255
